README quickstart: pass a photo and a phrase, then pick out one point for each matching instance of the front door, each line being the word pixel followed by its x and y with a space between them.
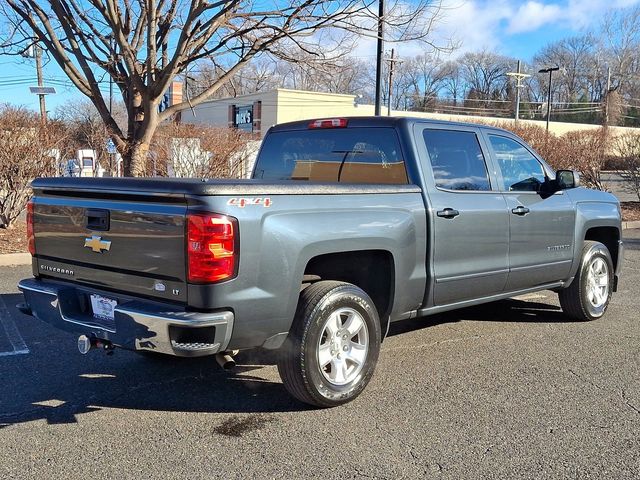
pixel 541 224
pixel 470 224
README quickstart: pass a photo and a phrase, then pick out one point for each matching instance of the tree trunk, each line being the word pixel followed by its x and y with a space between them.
pixel 135 161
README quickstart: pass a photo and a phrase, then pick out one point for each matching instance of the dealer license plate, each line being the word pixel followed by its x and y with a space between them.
pixel 103 308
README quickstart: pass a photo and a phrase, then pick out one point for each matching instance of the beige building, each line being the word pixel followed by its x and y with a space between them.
pixel 257 112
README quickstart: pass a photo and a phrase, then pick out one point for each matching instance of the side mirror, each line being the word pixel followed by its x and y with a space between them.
pixel 566 179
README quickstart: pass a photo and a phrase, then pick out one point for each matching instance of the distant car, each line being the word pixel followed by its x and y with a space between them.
pixel 346 226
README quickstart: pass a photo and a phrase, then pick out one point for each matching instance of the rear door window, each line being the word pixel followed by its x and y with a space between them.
pixel 347 155
pixel 456 160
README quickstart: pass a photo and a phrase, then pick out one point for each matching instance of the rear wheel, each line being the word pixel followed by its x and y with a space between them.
pixel 588 296
pixel 332 349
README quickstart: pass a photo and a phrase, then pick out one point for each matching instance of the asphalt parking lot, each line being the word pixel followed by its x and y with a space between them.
pixel 506 390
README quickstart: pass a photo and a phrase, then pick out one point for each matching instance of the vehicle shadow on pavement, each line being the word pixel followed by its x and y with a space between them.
pixel 54 382
pixel 510 310
pixel 57 384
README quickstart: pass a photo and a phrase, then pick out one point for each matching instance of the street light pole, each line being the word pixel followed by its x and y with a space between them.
pixel 378 107
pixel 550 71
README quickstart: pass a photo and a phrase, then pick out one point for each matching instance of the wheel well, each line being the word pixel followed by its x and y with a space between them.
pixel 608 236
pixel 371 270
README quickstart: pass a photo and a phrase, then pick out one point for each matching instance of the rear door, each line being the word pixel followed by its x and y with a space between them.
pixel 541 225
pixel 470 225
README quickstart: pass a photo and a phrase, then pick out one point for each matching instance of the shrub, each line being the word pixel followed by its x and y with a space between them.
pixel 581 150
pixel 584 151
pixel 627 148
pixel 198 151
pixel 27 150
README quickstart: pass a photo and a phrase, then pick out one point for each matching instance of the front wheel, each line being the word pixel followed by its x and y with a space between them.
pixel 332 349
pixel 588 296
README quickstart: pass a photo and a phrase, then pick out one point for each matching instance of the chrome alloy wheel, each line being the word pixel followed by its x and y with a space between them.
pixel 598 282
pixel 343 346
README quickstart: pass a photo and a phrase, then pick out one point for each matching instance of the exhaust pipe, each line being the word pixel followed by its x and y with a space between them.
pixel 225 360
pixel 86 344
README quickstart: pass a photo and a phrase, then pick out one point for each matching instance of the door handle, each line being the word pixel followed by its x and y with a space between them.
pixel 448 213
pixel 520 210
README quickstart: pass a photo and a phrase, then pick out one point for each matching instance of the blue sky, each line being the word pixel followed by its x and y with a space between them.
pixel 516 28
pixel 519 28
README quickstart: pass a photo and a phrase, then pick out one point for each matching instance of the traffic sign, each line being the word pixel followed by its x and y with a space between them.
pixel 111 147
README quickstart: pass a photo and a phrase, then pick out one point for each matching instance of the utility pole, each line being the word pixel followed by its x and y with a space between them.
pixel 392 60
pixel 378 101
pixel 43 107
pixel 519 77
pixel 550 71
pixel 607 99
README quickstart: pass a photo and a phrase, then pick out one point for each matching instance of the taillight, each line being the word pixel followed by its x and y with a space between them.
pixel 31 241
pixel 212 243
pixel 329 123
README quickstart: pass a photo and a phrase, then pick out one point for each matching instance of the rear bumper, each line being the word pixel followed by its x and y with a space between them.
pixel 137 325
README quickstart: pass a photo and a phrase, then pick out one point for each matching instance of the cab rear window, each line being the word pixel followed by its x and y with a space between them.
pixel 349 155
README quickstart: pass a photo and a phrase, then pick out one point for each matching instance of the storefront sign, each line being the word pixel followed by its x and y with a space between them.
pixel 244 118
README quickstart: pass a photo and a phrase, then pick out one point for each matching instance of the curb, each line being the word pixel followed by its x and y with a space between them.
pixel 15 259
pixel 630 225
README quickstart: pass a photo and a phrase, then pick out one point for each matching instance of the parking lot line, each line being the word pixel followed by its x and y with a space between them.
pixel 10 329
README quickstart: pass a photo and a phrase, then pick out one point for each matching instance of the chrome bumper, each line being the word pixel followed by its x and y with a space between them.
pixel 137 325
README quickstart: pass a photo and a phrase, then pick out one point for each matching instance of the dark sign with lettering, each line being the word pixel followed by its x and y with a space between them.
pixel 244 118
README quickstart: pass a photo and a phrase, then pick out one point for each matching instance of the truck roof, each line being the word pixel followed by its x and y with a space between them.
pixel 370 121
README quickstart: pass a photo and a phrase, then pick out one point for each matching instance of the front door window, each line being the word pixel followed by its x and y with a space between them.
pixel 521 171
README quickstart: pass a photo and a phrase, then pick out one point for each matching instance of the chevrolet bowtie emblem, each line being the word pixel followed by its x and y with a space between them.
pixel 96 244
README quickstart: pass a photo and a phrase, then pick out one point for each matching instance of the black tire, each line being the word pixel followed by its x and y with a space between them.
pixel 298 359
pixel 576 300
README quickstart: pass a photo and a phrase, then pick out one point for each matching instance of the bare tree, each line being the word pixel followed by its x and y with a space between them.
pixel 574 56
pixel 620 36
pixel 485 75
pixel 417 81
pixel 430 76
pixel 452 82
pixel 258 75
pixel 144 45
pixel 28 149
pixel 85 130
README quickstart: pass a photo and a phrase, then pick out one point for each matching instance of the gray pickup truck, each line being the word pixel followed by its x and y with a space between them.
pixel 348 224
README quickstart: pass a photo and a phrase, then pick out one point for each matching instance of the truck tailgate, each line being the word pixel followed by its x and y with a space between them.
pixel 132 245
